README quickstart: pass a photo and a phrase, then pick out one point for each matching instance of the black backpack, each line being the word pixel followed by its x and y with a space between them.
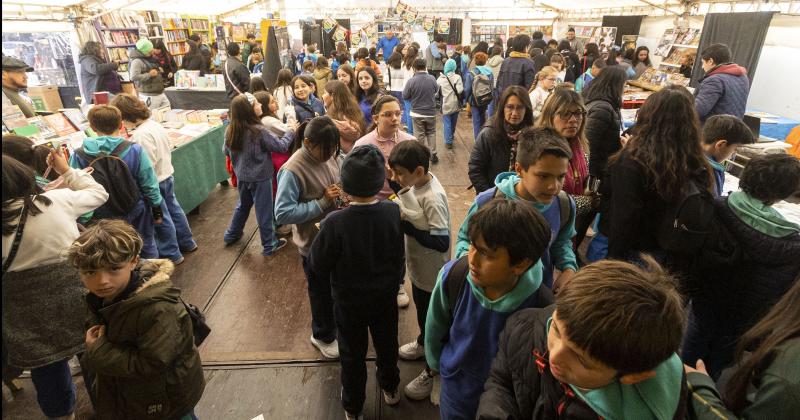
pixel 686 223
pixel 114 175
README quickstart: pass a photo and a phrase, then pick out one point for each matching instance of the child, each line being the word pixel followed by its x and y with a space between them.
pixel 307 191
pixel 308 68
pixel 140 347
pixel 582 82
pixel 474 296
pixel 249 144
pixel 544 84
pixel 421 91
pixel 427 229
pixel 722 135
pixel 367 92
pixel 541 165
pixel 283 94
pixel 360 249
pixel 306 105
pixel 450 88
pixel 173 235
pixel 322 75
pixel 106 121
pixel 580 358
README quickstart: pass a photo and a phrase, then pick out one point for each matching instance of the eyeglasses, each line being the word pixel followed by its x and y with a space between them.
pixel 390 114
pixel 552 79
pixel 515 108
pixel 566 115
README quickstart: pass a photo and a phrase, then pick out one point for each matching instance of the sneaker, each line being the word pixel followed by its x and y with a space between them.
pixel 189 250
pixel 179 261
pixel 281 243
pixel 284 230
pixel 349 416
pixel 421 387
pixel 391 398
pixel 402 298
pixel 411 351
pixel 448 145
pixel 328 350
pixel 229 242
pixel 434 159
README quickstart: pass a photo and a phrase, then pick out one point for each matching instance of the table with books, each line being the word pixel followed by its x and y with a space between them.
pixel 192 91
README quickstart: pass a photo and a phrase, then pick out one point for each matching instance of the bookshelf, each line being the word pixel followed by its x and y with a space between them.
pixel 153 25
pixel 488 33
pixel 176 33
pixel 201 26
pixel 118 32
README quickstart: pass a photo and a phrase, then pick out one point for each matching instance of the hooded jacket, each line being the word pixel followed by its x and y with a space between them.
pixel 517 70
pixel 146 365
pixel 322 76
pixel 97 75
pixel 139 71
pixel 723 90
pixel 447 81
pixel 494 64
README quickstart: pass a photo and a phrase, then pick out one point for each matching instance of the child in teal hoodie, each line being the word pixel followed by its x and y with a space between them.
pixel 722 135
pixel 541 163
pixel 106 120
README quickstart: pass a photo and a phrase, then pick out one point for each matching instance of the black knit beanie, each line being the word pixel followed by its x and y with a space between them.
pixel 363 171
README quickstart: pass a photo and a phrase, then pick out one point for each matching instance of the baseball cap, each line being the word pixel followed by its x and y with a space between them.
pixel 15 64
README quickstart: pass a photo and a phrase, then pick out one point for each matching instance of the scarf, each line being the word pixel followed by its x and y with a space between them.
pixel 578 170
pixel 760 216
pixel 512 131
pixel 515 54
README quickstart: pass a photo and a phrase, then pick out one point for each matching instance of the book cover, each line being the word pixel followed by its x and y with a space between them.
pixel 60 124
pixel 45 130
pixel 29 130
pixel 76 118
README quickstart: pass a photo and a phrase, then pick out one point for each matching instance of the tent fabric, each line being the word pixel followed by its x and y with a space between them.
pixel 272 59
pixel 626 25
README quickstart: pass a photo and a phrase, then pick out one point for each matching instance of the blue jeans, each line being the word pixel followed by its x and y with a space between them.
pixel 141 218
pixel 491 106
pixel 258 194
pixel 407 116
pixel 449 122
pixel 173 235
pixel 478 118
pixel 55 391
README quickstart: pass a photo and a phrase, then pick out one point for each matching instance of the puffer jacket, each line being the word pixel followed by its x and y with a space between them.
pixel 517 70
pixel 723 90
pixel 322 76
pixel 139 71
pixel 494 64
pixel 490 156
pixel 603 123
pixel 146 365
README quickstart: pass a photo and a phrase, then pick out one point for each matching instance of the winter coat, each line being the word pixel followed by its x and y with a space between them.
pixel 723 90
pixel 490 156
pixel 515 71
pixel 139 71
pixel 307 110
pixel 603 123
pixel 450 98
pixel 97 76
pixel 322 76
pixel 494 64
pixel 167 63
pixel 146 365
pixel 235 75
pixel 195 61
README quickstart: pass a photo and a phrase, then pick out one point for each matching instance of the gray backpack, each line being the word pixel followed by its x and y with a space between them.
pixel 481 88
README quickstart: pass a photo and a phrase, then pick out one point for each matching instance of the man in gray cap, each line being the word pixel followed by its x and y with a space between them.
pixel 15 79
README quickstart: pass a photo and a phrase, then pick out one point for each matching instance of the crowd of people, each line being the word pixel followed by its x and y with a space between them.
pixel 681 281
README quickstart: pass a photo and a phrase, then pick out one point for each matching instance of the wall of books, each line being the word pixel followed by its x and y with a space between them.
pixel 488 33
pixel 118 32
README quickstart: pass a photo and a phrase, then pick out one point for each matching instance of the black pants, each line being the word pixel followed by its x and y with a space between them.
pixel 355 322
pixel 421 301
pixel 323 326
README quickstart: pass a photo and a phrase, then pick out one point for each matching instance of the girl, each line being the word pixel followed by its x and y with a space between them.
pixel 283 95
pixel 306 105
pixel 363 60
pixel 394 77
pixel 308 68
pixel 347 75
pixel 451 87
pixel 590 53
pixel 544 84
pixel 254 59
pixel 343 109
pixel 307 192
pixel 641 61
pixel 557 62
pixel 248 144
pixel 478 112
pixel 257 84
pixel 34 157
pixel 367 91
pixel 408 72
pixel 165 62
pixel 322 75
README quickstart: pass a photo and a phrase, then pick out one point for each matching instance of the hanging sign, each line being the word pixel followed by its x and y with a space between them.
pixel 443 27
pixel 339 34
pixel 355 38
pixel 328 24
pixel 428 23
pixel 370 30
pixel 400 8
pixel 410 16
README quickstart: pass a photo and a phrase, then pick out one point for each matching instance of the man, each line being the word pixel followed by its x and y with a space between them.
pixel 248 46
pixel 725 86
pixel 518 68
pixel 145 76
pixel 205 50
pixel 537 40
pixel 15 79
pixel 435 56
pixel 237 77
pixel 387 43
pixel 574 43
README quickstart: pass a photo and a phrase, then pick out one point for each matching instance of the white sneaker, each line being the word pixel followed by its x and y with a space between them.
pixel 402 297
pixel 421 387
pixel 391 398
pixel 412 351
pixel 349 416
pixel 328 350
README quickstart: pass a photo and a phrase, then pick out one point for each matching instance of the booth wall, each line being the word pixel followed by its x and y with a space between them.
pixel 774 87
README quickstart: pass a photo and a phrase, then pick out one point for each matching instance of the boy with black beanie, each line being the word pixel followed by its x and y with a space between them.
pixel 361 250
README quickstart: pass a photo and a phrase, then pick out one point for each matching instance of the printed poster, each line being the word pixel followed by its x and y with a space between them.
pixel 629 42
pixel 428 23
pixel 443 26
pixel 666 43
pixel 355 38
pixel 339 34
pixel 410 16
pixel 400 8
pixel 328 24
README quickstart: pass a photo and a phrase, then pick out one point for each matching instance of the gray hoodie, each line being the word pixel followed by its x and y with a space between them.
pixel 494 64
pixel 139 71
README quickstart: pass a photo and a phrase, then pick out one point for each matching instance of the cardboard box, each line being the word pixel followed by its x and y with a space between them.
pixel 45 98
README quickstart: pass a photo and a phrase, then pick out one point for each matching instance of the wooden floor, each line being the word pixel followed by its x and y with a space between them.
pixel 258 358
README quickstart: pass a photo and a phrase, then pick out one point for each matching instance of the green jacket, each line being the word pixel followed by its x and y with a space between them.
pixel 146 365
pixel 777 395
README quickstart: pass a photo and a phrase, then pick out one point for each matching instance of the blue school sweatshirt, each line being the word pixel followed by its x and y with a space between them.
pixel 559 253
pixel 464 360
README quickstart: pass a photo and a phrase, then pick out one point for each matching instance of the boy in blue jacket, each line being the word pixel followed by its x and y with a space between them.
pixel 474 295
pixel 541 165
pixel 722 135
pixel 106 121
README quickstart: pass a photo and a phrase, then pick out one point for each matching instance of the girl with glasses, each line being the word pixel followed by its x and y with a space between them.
pixel 544 84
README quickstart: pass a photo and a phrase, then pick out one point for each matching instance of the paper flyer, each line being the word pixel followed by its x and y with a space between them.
pixel 328 24
pixel 339 34
pixel 400 8
pixel 410 16
pixel 428 23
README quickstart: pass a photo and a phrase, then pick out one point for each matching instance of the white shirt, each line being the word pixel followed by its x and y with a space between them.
pixel 155 142
pixel 538 96
pixel 285 112
pixel 424 263
pixel 47 235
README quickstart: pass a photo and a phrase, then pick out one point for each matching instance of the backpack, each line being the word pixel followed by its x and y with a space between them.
pixel 686 222
pixel 114 175
pixel 200 329
pixel 563 201
pixel 482 90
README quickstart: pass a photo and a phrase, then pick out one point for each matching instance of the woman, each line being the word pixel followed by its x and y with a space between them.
pixel 641 61
pixel 43 308
pixel 363 60
pixel 96 74
pixel 194 60
pixel 367 92
pixel 564 112
pixel 496 144
pixel 687 63
pixel 650 173
pixel 166 63
pixel 408 72
pixel 478 112
pixel 450 88
pixel 343 109
pixel 604 118
pixel 591 52
pixel 347 75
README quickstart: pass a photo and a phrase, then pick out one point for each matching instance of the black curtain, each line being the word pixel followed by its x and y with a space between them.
pixel 743 33
pixel 626 25
pixel 272 59
pixel 327 43
pixel 454 37
pixel 312 34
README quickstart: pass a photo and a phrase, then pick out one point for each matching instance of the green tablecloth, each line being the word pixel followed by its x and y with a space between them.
pixel 199 167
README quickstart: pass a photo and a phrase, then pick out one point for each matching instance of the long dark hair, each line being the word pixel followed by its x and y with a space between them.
pixel 666 142
pixel 321 132
pixel 499 120
pixel 19 182
pixel 347 68
pixel 608 86
pixel 284 79
pixel 636 56
pixel 395 60
pixel 373 91
pixel 243 120
pixel 22 149
pixel 781 324
pixel 591 49
pixel 344 104
pixel 482 46
pixel 411 56
pixel 264 98
pixel 376 109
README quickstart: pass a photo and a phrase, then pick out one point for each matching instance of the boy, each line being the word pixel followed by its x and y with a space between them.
pixel 541 165
pixel 427 234
pixel 360 249
pixel 140 348
pixel 722 135
pixel 474 296
pixel 421 91
pixel 579 359
pixel 106 121
pixel 582 82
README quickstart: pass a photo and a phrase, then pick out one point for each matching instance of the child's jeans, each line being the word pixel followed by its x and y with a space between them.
pixel 173 235
pixel 407 116
pixel 55 391
pixel 711 336
pixel 258 194
pixel 478 119
pixel 141 218
pixel 422 300
pixel 449 123
pixel 355 322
